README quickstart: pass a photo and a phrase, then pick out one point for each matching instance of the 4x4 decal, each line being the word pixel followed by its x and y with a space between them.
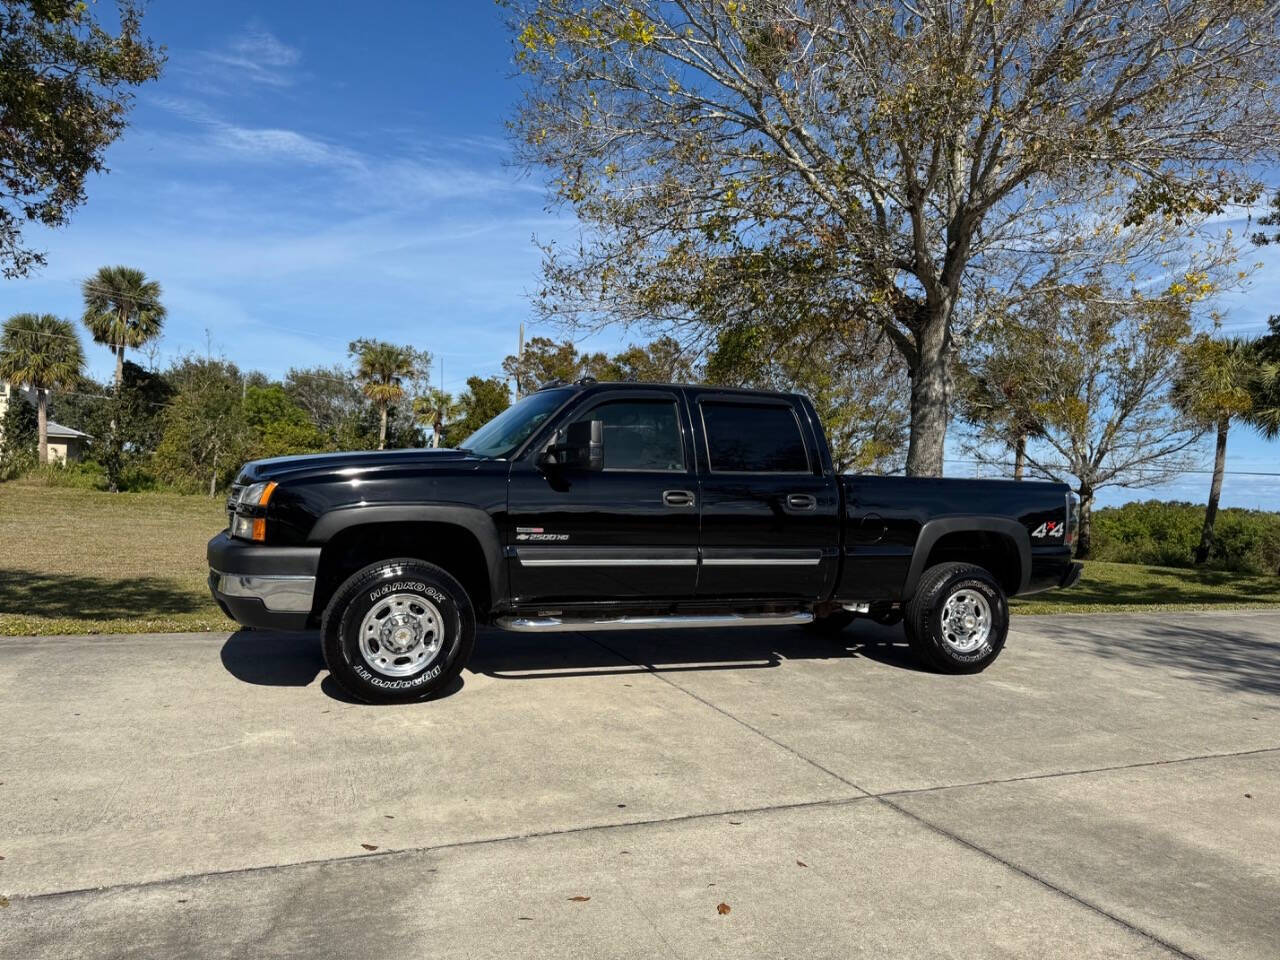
pixel 1051 528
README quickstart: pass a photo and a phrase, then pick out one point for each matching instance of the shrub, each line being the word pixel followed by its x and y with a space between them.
pixel 1167 533
pixel 86 475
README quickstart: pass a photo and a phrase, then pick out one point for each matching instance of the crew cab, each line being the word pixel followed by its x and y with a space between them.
pixel 618 506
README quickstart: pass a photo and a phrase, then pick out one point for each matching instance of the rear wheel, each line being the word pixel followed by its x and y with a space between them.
pixel 958 619
pixel 398 631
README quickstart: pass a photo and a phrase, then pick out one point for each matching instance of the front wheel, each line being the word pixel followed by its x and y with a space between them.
pixel 398 631
pixel 958 618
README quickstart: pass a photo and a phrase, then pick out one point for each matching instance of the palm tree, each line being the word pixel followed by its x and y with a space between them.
pixel 434 410
pixel 1215 385
pixel 122 309
pixel 1265 415
pixel 43 352
pixel 379 369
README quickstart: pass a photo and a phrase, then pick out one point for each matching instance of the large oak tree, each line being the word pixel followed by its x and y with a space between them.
pixel 875 159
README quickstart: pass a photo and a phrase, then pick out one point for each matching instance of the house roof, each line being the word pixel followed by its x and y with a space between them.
pixel 65 433
pixel 54 429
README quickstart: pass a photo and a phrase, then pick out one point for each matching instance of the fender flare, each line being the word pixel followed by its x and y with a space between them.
pixel 934 530
pixel 472 519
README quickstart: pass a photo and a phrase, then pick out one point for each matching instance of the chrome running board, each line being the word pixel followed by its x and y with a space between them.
pixel 673 622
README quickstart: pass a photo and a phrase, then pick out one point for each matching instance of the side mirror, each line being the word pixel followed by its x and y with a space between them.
pixel 579 446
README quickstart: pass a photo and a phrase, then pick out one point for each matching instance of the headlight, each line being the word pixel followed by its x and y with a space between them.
pixel 243 527
pixel 257 494
pixel 243 524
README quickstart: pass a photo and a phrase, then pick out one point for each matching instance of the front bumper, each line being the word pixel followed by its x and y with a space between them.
pixel 270 588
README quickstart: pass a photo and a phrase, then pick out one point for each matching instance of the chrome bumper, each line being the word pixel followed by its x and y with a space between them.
pixel 280 594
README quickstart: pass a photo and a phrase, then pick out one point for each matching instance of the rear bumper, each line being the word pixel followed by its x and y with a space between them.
pixel 267 587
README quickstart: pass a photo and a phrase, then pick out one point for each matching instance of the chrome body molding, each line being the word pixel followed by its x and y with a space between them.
pixel 574 556
pixel 761 561
pixel 673 622
pixel 281 594
pixel 612 562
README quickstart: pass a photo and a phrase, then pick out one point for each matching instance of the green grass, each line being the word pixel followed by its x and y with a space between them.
pixel 81 561
pixel 1117 587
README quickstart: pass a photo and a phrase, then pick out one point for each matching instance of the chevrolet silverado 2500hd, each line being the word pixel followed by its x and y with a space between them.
pixel 611 506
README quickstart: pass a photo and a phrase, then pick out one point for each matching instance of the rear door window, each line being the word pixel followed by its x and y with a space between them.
pixel 753 438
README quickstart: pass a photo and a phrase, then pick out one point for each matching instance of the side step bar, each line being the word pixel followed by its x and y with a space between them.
pixel 673 622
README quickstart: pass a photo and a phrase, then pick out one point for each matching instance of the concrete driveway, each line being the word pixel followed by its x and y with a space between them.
pixel 1110 788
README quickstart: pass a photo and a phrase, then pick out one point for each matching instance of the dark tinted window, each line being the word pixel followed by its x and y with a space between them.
pixel 640 434
pixel 758 438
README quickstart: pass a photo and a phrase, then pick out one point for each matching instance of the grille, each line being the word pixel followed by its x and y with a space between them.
pixel 231 503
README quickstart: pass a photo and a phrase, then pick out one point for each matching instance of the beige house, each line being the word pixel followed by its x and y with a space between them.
pixel 66 445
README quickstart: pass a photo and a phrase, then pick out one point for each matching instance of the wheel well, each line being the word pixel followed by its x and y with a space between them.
pixel 450 547
pixel 995 552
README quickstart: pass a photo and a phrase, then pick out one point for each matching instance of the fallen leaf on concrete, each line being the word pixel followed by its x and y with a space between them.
pixel 723 908
pixel 579 899
pixel 801 863
pixel 369 846
pixel 4 901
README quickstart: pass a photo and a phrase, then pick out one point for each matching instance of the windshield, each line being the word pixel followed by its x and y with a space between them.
pixel 514 425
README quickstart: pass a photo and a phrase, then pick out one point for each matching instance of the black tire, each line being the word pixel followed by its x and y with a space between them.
pixel 830 624
pixel 444 616
pixel 941 646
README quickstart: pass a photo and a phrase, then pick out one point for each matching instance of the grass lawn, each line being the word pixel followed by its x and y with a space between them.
pixel 79 561
pixel 1117 587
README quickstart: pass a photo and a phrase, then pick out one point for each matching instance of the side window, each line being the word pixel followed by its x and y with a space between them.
pixel 753 438
pixel 640 434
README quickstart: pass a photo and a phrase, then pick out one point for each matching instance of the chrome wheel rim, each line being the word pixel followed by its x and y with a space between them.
pixel 401 635
pixel 966 621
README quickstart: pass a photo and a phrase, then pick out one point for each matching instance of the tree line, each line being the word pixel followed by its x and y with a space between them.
pixel 1069 386
pixel 191 425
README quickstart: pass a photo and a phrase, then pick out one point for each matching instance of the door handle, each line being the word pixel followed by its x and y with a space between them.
pixel 677 498
pixel 802 501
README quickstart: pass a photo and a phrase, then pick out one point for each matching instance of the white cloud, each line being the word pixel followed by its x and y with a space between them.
pixel 364 180
pixel 256 55
pixel 267 144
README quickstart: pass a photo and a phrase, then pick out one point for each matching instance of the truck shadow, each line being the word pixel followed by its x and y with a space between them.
pixel 516 656
pixel 277 659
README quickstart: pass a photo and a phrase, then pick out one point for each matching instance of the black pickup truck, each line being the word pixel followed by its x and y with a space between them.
pixel 610 506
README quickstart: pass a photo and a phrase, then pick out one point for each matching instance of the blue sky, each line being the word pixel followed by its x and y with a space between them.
pixel 300 177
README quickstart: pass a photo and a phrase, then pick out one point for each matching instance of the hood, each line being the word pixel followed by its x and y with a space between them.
pixel 278 468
